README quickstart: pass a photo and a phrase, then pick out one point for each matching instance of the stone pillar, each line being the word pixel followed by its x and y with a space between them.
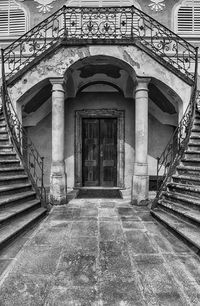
pixel 58 180
pixel 140 186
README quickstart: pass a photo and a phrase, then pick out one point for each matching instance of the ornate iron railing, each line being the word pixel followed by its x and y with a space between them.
pixel 28 154
pixel 116 25
pixel 174 150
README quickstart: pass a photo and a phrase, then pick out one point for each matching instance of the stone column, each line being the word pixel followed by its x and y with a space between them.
pixel 58 180
pixel 140 176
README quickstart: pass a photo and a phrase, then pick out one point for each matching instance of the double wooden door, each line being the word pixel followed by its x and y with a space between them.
pixel 99 152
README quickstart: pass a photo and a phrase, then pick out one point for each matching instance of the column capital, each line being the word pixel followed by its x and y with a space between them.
pixel 57 84
pixel 142 83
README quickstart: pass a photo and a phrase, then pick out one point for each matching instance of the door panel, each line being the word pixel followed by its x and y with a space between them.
pixel 90 152
pixel 99 152
pixel 108 152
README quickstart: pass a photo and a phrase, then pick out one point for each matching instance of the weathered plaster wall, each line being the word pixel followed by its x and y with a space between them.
pixel 136 61
pixel 164 16
pixel 158 133
pixel 41 137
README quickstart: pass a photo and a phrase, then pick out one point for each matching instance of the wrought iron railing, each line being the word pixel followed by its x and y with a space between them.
pixel 28 154
pixel 116 25
pixel 173 152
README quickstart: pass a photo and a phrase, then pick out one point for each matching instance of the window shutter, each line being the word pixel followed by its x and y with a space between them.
pixel 197 19
pixel 188 17
pixel 12 19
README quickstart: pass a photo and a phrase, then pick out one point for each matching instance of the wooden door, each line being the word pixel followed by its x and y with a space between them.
pixel 99 152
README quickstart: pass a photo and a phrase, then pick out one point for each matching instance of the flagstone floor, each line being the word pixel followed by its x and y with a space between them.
pixel 101 252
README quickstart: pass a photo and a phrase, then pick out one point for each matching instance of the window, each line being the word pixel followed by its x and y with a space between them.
pixel 13 20
pixel 187 18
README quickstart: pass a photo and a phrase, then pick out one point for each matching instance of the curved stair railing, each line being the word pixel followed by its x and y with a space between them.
pixel 31 160
pixel 101 25
pixel 173 152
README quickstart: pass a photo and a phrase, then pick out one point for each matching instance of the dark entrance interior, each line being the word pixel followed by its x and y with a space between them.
pixel 99 152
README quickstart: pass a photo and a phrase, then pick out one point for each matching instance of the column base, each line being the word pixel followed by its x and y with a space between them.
pixel 140 187
pixel 58 185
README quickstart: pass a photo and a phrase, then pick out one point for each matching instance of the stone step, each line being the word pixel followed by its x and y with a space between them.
pixel 9 213
pixel 4 135
pixel 13 179
pixel 3 128
pixel 195 132
pixel 14 188
pixel 191 162
pixel 192 154
pixel 6 148
pixel 9 163
pixel 194 139
pixel 17 198
pixel 2 119
pixel 7 155
pixel 189 170
pixel 4 141
pixel 185 200
pixel 19 225
pixel 186 179
pixel 194 146
pixel 196 123
pixel 11 171
pixel 184 189
pixel 185 213
pixel 189 233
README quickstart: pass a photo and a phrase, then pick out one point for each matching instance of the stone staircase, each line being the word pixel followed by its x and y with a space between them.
pixel 179 206
pixel 19 206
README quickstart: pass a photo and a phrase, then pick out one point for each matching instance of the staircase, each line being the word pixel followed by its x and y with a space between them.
pixel 19 205
pixel 178 207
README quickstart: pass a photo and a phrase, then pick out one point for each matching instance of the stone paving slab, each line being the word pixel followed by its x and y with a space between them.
pixel 101 252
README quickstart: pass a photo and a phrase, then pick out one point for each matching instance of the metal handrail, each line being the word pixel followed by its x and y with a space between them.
pixel 116 25
pixel 174 151
pixel 29 156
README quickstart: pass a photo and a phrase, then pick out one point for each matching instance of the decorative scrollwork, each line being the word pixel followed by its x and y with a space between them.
pixel 117 25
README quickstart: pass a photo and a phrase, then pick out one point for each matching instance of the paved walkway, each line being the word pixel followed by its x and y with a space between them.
pixel 102 252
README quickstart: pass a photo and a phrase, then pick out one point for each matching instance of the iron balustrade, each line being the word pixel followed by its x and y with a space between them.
pixel 173 152
pixel 103 25
pixel 28 154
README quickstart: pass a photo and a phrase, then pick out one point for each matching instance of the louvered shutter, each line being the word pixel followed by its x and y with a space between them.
pixel 188 17
pixel 12 19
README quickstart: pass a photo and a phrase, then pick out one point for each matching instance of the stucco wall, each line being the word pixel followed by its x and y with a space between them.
pixel 158 134
pixel 164 16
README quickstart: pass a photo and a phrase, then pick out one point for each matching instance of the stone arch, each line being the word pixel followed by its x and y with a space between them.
pixel 137 62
